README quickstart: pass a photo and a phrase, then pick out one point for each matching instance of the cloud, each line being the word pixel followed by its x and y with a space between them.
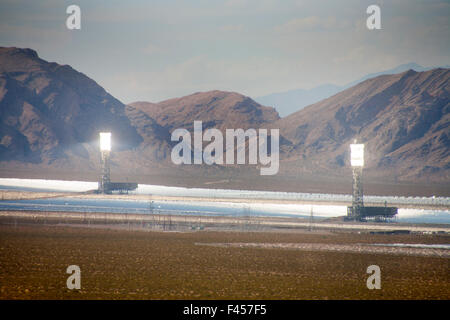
pixel 301 49
pixel 257 5
pixel 162 49
pixel 35 38
pixel 232 28
pixel 237 3
pixel 312 23
pixel 153 49
pixel 252 77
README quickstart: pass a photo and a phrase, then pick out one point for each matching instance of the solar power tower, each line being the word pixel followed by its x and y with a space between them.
pixel 357 163
pixel 105 149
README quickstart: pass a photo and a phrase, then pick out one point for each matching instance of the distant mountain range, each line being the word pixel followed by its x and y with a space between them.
pixel 404 120
pixel 51 114
pixel 293 100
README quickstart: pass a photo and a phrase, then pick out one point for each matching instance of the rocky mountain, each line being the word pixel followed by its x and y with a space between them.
pixel 51 112
pixel 404 120
pixel 51 115
pixel 293 100
pixel 217 109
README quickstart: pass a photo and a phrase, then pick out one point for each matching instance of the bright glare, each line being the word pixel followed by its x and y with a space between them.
pixel 105 141
pixel 357 155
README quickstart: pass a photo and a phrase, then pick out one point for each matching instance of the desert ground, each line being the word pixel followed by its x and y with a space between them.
pixel 201 264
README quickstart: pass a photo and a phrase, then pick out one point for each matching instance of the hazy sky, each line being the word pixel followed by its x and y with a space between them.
pixel 154 50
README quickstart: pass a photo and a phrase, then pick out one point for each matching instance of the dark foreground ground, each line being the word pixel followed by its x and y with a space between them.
pixel 122 264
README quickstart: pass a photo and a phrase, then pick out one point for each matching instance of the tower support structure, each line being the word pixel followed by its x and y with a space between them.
pixel 105 150
pixel 357 194
pixel 356 211
pixel 106 177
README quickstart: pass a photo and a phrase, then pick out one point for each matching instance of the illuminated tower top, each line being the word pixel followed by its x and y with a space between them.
pixel 357 155
pixel 105 141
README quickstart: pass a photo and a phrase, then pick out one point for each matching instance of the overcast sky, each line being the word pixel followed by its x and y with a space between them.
pixel 154 50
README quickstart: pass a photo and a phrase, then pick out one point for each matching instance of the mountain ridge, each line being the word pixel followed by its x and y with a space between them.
pixel 392 114
pixel 47 109
pixel 290 101
pixel 51 115
pixel 219 109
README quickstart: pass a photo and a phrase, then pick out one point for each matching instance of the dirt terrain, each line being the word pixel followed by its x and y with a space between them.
pixel 28 195
pixel 120 264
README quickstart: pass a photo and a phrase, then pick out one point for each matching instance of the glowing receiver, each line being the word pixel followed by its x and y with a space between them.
pixel 105 141
pixel 357 155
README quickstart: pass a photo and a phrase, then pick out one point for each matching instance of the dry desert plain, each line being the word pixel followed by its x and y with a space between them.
pixel 130 264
